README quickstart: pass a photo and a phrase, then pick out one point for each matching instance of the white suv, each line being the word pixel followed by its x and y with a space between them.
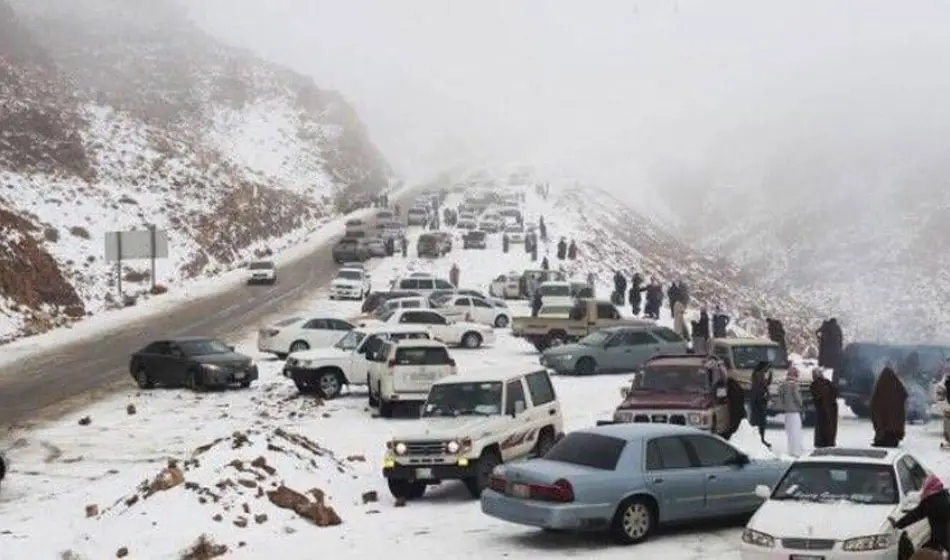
pixel 403 371
pixel 261 272
pixel 471 424
pixel 350 283
pixel 445 329
pixel 325 371
pixel 804 515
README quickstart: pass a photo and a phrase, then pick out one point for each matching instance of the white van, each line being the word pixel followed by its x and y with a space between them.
pixel 403 371
pixel 422 285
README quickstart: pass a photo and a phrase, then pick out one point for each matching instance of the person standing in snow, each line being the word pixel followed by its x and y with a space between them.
pixel 572 251
pixel 776 331
pixel 759 398
pixel 679 320
pixel 561 249
pixel 543 230
pixel 591 280
pixel 683 289
pixel 535 303
pixel 888 409
pixel 934 506
pixel 673 295
pixel 701 333
pixel 405 246
pixel 454 275
pixel 720 323
pixel 830 344
pixel 654 293
pixel 504 243
pixel 735 395
pixel 620 288
pixel 824 395
pixel 790 403
pixel 545 265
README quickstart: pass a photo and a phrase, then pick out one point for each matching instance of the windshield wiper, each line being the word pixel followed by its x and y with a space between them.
pixel 471 413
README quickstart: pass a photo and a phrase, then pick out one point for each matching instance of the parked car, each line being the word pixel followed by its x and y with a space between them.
pixel 453 333
pixel 195 363
pixel 325 371
pixel 587 316
pixel 507 286
pixel 349 249
pixel 355 227
pixel 474 240
pixel 515 233
pixel 298 333
pixel 261 272
pixel 835 503
pixel 402 371
pixel 447 239
pixel 476 310
pixel 431 245
pixel 628 480
pixel 467 222
pixel 417 216
pixel 392 230
pixel 613 350
pixel 376 246
pixel 376 299
pixel 423 285
pixel 351 283
pixel 490 223
pixel 470 425
pixel 438 296
pixel 395 304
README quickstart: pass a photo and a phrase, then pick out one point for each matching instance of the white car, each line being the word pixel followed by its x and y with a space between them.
pixel 506 286
pixel 402 372
pixel 453 333
pixel 325 371
pixel 476 310
pixel 515 234
pixel 556 293
pixel 392 305
pixel 490 224
pixel 424 285
pixel 261 272
pixel 835 504
pixel 467 221
pixel 301 333
pixel 555 311
pixel 351 283
pixel 471 424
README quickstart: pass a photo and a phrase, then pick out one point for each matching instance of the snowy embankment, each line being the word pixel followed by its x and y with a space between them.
pixel 156 470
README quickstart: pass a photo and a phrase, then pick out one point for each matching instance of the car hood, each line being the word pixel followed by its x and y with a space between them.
pixel 225 358
pixel 642 400
pixel 566 349
pixel 371 323
pixel 330 353
pixel 466 325
pixel 838 521
pixel 453 427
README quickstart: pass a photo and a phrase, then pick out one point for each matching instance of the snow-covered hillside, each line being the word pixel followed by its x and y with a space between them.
pixel 116 115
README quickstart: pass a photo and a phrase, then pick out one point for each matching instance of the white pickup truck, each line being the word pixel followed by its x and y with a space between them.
pixel 443 328
pixel 325 371
pixel 471 424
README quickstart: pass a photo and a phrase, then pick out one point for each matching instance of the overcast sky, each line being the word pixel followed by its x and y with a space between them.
pixel 619 92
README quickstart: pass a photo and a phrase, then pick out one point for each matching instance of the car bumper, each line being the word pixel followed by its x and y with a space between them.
pixel 345 292
pixel 750 552
pixel 430 472
pixel 559 366
pixel 221 378
pixel 570 517
pixel 261 279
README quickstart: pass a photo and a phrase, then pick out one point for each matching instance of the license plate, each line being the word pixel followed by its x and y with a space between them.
pixel 424 474
pixel 422 377
pixel 520 490
pixel 805 557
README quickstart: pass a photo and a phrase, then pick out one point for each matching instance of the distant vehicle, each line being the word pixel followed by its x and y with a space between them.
pixel 325 371
pixel 587 316
pixel 515 233
pixel 510 213
pixel 351 283
pixel 628 480
pixel 348 249
pixel 507 286
pixel 384 216
pixel 803 512
pixel 261 272
pixel 417 216
pixel 613 350
pixel 439 296
pixel 446 238
pixel 402 371
pixel 376 299
pixel 194 363
pixel 395 304
pixel 296 334
pixel 490 223
pixel 471 424
pixel 467 222
pixel 476 310
pixel 376 246
pixel 431 245
pixel 354 224
pixel 474 240
pixel 556 292
pixel 453 333
pixel 392 230
pixel 423 285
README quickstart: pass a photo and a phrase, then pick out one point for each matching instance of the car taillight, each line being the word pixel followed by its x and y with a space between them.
pixel 560 491
pixel 392 363
pixel 497 484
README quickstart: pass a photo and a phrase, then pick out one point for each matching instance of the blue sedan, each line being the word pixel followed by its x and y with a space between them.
pixel 628 479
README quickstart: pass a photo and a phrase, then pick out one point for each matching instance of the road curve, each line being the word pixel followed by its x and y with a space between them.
pixel 37 386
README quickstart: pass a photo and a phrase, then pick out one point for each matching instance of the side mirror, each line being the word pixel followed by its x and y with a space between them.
pixel 911 501
pixel 763 491
pixel 519 407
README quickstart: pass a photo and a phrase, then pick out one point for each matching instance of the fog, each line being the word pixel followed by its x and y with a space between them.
pixel 623 93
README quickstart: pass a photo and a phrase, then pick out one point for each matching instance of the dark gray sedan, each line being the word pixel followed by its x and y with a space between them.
pixel 195 363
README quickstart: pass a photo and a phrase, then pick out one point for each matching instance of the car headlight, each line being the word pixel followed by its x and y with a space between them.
pixel 400 448
pixel 210 367
pixel 698 418
pixel 869 542
pixel 453 447
pixel 758 538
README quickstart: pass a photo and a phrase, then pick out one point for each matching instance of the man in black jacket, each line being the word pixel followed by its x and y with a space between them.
pixel 934 506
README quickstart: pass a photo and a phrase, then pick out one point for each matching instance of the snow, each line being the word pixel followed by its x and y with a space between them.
pixel 60 469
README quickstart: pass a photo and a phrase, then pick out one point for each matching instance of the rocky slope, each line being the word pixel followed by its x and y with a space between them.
pixel 118 114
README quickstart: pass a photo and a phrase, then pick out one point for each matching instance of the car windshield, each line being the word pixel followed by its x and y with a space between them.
pixel 860 483
pixel 672 379
pixel 349 275
pixel 596 338
pixel 463 399
pixel 558 290
pixel 261 265
pixel 586 449
pixel 204 347
pixel 350 341
pixel 748 356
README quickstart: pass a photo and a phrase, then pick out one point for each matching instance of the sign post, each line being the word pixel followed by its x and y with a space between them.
pixel 149 244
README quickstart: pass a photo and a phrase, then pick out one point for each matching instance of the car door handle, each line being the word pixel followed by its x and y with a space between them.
pixel 552 412
pixel 712 477
pixel 658 480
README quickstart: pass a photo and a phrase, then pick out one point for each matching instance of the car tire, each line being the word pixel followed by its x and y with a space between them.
pixel 634 521
pixel 142 379
pixel 193 380
pixel 471 340
pixel 484 468
pixel 329 384
pixel 298 346
pixel 556 338
pixel 501 321
pixel 3 468
pixel 585 366
pixel 545 442
pixel 246 384
pixel 280 356
pixel 372 401
pixel 402 489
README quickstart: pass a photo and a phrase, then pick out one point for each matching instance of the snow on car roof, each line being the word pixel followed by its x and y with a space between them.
pixel 389 328
pixel 869 455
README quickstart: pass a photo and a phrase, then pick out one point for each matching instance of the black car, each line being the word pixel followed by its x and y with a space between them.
pixel 474 240
pixel 375 299
pixel 431 245
pixel 194 363
pixel 350 249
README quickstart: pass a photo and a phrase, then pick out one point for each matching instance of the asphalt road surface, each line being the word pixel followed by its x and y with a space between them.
pixel 48 385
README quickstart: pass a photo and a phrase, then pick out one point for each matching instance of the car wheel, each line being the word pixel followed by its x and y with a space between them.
pixel 585 366
pixel 329 384
pixel 3 468
pixel 545 442
pixel 193 381
pixel 372 400
pixel 471 340
pixel 487 462
pixel 406 489
pixel 142 379
pixel 633 522
pixel 299 346
pixel 501 321
pixel 246 384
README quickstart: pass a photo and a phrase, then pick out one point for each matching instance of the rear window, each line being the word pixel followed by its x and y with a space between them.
pixel 426 356
pixel 261 265
pixel 589 450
